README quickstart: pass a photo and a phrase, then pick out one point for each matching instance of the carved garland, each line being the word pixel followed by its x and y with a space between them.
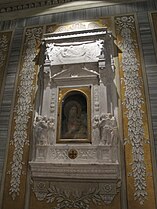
pixel 133 102
pixel 66 199
pixel 23 109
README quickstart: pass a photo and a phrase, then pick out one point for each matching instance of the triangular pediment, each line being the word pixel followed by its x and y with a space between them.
pixel 75 72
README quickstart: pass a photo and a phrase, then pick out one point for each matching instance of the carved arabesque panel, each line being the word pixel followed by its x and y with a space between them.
pixel 22 109
pixel 133 102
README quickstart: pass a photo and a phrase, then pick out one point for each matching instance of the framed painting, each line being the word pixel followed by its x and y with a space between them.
pixel 74 115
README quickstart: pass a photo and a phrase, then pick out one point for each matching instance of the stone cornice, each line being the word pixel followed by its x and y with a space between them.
pixel 75 171
pixel 77 34
pixel 18 9
pixel 21 5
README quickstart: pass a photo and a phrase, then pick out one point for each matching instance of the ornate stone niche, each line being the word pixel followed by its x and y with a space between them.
pixel 75 130
pixel 74 113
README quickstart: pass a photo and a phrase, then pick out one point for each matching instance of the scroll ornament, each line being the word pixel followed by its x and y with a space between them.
pixel 133 102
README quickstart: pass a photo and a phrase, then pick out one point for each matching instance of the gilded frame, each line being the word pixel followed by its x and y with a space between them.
pixel 75 92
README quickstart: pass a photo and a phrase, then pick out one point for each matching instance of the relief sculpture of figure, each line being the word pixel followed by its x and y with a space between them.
pixel 43 129
pixel 51 130
pixel 109 127
pixel 109 133
pixel 96 128
pixel 105 129
pixel 40 130
pixel 76 52
pixel 114 139
pixel 114 132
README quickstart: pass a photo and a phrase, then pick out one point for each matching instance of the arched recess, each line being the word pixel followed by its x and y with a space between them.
pixel 74 116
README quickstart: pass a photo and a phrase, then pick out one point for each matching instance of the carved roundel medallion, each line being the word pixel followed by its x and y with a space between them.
pixel 72 154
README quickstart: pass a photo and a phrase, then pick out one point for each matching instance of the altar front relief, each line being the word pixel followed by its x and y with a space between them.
pixel 75 129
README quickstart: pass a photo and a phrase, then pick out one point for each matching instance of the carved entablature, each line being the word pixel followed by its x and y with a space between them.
pixel 75 129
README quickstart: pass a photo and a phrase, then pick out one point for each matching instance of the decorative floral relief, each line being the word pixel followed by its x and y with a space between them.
pixel 3 47
pixel 133 103
pixel 73 27
pixel 59 154
pixel 79 201
pixel 96 99
pixel 83 154
pixel 23 109
pixel 87 154
pixel 66 198
pixel 53 104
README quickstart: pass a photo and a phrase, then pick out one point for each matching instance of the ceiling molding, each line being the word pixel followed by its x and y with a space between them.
pixel 20 9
